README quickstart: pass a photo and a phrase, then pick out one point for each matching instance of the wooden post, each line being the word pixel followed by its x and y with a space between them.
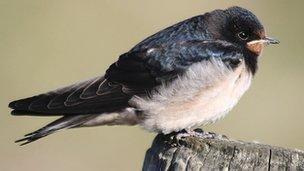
pixel 208 151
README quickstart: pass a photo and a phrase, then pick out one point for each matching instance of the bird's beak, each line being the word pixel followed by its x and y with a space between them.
pixel 266 40
pixel 256 46
pixel 269 40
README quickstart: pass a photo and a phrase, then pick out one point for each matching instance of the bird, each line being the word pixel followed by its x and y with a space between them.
pixel 185 76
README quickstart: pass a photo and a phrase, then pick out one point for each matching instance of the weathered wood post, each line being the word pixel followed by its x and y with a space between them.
pixel 209 151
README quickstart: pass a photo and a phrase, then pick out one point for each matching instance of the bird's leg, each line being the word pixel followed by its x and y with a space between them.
pixel 195 133
pixel 192 132
pixel 188 133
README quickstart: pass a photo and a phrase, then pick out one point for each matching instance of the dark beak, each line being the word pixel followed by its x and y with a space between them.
pixel 269 40
pixel 266 41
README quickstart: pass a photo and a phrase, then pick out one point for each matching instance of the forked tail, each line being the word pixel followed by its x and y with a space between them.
pixel 64 122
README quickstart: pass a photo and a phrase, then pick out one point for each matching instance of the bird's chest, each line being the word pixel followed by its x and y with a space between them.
pixel 206 93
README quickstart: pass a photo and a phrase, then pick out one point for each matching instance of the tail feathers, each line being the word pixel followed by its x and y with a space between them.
pixel 65 122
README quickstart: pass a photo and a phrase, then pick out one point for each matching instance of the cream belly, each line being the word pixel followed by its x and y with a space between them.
pixel 207 92
pixel 204 94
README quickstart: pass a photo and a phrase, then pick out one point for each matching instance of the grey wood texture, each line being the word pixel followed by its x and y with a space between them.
pixel 209 151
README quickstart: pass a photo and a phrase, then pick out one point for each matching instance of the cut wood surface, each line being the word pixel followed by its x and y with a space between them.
pixel 209 151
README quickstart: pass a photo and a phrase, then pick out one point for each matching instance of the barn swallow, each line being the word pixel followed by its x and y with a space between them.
pixel 185 76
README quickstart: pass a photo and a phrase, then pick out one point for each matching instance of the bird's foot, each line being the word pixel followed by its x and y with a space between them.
pixel 194 133
pixel 188 133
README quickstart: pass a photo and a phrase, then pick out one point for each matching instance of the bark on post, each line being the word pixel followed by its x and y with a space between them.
pixel 208 151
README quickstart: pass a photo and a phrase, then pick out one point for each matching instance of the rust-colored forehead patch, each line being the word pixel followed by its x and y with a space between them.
pixel 255 47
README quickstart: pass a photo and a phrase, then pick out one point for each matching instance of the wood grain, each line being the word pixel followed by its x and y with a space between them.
pixel 209 151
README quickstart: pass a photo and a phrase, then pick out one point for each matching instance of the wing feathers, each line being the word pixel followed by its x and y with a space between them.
pixel 135 73
pixel 40 104
pixel 91 90
pixel 89 97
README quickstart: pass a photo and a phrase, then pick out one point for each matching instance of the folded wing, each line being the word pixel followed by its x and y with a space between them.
pixel 135 73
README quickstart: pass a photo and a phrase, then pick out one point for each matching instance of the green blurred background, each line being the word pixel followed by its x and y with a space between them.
pixel 48 44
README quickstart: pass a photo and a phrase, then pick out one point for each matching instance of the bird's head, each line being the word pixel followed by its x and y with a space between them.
pixel 242 28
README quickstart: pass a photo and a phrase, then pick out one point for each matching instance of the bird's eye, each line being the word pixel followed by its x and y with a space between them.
pixel 243 35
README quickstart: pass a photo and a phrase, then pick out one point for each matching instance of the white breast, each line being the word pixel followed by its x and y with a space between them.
pixel 204 94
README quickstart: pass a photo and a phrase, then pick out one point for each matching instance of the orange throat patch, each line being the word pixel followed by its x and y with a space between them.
pixel 255 47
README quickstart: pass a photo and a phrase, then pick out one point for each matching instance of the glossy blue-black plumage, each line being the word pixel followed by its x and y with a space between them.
pixel 194 28
pixel 168 61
